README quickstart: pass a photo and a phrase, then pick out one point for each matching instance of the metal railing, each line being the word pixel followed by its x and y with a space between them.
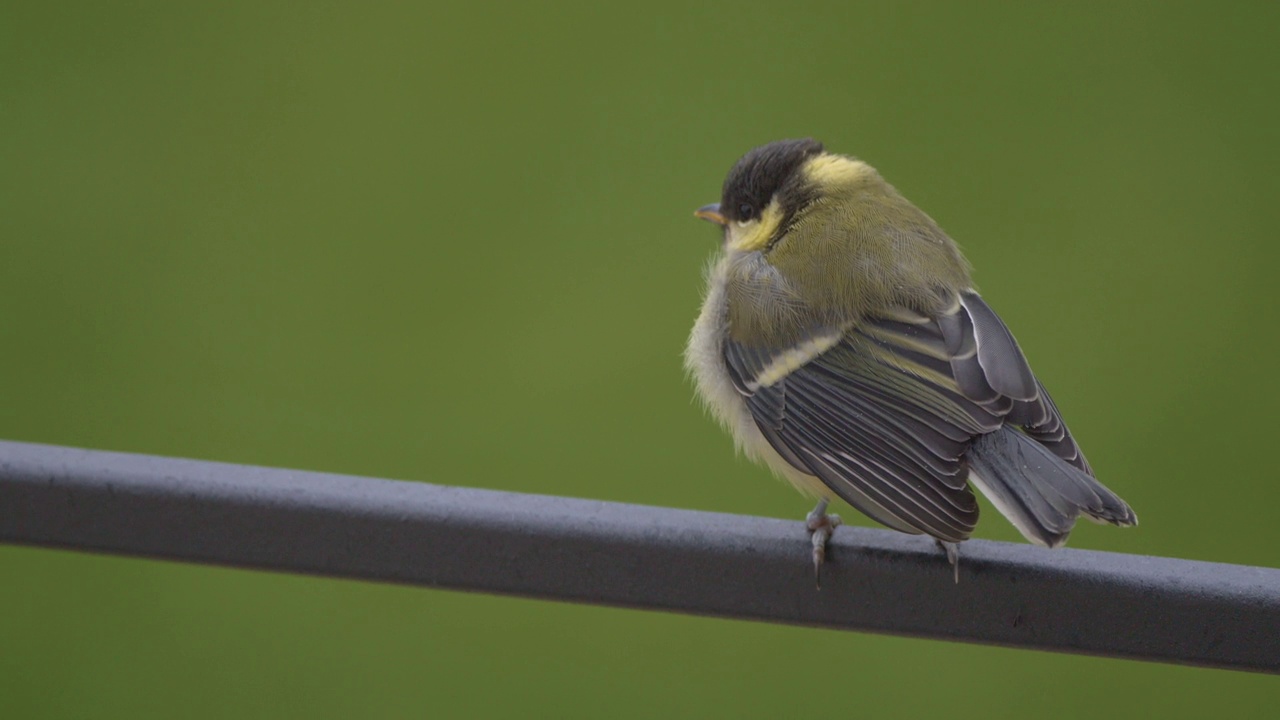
pixel 1098 603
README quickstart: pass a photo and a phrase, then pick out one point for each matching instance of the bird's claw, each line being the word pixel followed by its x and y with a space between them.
pixel 820 526
pixel 953 556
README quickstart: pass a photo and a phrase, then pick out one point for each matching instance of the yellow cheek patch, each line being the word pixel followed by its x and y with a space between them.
pixel 756 234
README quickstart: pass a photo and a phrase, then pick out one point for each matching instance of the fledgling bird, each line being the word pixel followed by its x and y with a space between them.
pixel 843 344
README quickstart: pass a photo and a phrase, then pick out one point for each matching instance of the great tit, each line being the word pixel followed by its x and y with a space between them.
pixel 843 345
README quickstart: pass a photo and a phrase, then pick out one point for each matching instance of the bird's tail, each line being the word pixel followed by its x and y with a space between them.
pixel 1041 494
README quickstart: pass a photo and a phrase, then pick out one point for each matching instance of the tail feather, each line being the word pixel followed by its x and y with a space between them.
pixel 1040 493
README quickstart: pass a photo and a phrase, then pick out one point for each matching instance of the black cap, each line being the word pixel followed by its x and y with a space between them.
pixel 761 174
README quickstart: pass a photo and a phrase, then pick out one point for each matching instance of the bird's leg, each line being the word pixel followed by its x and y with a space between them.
pixel 820 526
pixel 953 556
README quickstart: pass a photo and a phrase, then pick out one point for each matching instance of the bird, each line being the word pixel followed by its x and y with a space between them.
pixel 842 343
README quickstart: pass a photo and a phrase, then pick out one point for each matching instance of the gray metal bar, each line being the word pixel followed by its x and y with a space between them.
pixel 1098 603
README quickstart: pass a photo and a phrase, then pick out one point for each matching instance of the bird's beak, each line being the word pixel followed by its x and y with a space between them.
pixel 711 213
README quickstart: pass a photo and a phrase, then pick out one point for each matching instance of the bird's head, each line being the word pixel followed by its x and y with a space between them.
pixel 804 227
pixel 769 188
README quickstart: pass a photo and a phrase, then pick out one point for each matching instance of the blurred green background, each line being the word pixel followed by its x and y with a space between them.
pixel 455 244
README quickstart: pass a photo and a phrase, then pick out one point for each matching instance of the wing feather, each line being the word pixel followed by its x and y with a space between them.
pixel 887 453
pixel 1003 365
pixel 886 413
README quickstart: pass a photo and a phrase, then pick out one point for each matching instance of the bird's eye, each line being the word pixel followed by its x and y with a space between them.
pixel 745 211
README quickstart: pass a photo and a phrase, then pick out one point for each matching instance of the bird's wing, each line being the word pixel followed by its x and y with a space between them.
pixel 989 367
pixel 876 413
pixel 1031 469
pixel 883 413
pixel 886 414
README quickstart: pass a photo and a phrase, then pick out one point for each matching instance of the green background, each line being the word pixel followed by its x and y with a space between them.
pixel 455 244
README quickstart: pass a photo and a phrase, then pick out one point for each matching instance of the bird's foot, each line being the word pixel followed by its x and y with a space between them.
pixel 820 526
pixel 953 556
